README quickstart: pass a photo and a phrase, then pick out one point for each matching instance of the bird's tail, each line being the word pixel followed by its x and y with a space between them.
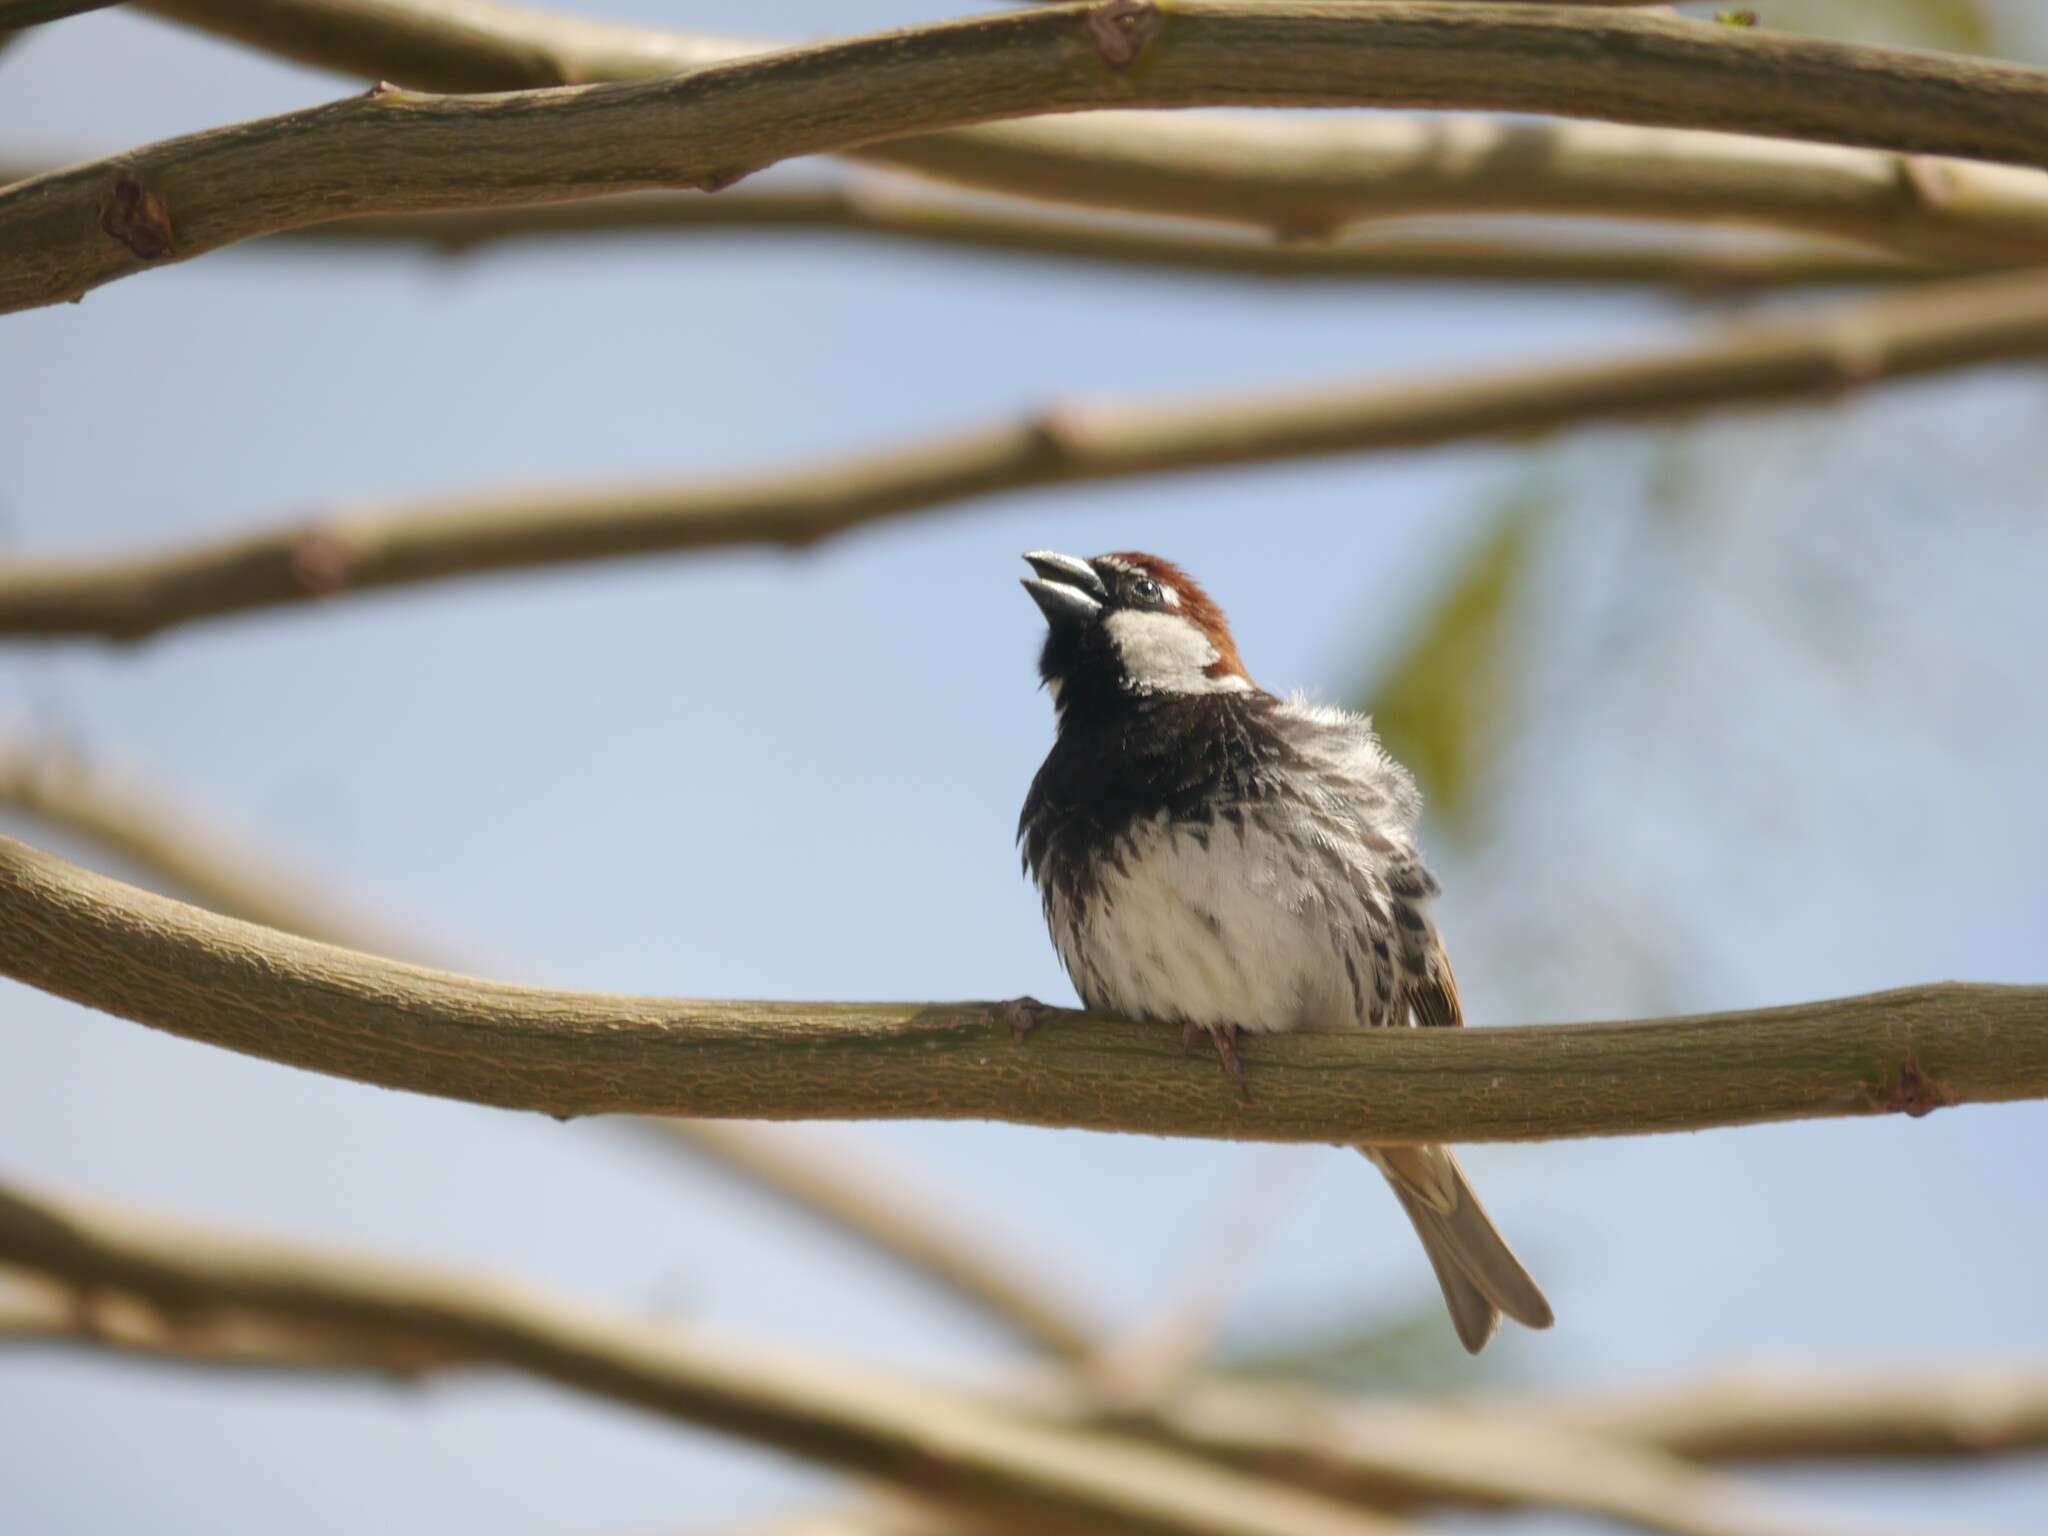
pixel 1479 1273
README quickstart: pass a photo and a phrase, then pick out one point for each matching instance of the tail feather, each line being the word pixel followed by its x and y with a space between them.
pixel 1479 1273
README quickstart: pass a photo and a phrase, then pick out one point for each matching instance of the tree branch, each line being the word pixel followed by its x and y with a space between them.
pixel 934 1444
pixel 1779 1414
pixel 164 1291
pixel 1699 266
pixel 1380 1456
pixel 394 151
pixel 36 1311
pixel 1924 330
pixel 1292 178
pixel 1400 1456
pixel 891 1212
pixel 878 209
pixel 249 989
pixel 31 13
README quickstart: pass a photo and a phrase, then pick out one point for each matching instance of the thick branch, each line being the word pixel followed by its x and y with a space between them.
pixel 393 151
pixel 151 1288
pixel 877 210
pixel 894 1213
pixel 267 994
pixel 30 13
pixel 1286 177
pixel 928 1442
pixel 1924 330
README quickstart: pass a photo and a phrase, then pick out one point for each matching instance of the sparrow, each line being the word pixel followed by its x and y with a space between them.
pixel 1213 856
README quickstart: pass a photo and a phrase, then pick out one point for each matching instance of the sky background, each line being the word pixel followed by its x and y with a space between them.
pixel 1776 733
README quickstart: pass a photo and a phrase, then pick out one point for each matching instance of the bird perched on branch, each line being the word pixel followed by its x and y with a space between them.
pixel 1215 857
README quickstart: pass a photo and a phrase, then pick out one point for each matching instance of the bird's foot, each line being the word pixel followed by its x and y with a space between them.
pixel 1023 1015
pixel 1225 1036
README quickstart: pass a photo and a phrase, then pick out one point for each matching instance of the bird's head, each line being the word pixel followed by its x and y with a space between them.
pixel 1125 626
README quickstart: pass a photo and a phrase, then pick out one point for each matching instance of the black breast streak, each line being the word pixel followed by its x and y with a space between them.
pixel 1190 762
pixel 1181 759
pixel 1413 882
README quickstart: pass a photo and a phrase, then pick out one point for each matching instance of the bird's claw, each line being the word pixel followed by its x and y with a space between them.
pixel 1023 1015
pixel 1225 1036
pixel 1233 1068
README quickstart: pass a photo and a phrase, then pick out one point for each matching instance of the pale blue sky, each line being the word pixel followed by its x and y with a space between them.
pixel 766 774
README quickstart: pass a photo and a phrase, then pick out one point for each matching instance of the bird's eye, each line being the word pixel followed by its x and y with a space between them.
pixel 1146 589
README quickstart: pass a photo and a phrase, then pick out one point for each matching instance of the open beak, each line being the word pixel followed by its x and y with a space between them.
pixel 1067 590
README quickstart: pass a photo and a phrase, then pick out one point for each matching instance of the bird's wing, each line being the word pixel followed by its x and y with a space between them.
pixel 1434 993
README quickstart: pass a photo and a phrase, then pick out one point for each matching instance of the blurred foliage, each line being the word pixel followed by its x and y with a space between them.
pixel 1958 26
pixel 1439 703
pixel 1410 1351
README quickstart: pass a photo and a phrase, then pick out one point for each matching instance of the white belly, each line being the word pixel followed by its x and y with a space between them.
pixel 1252 928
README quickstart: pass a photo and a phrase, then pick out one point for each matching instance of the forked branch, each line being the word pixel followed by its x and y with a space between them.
pixel 893 1212
pixel 1288 177
pixel 172 1291
pixel 394 151
pixel 926 1441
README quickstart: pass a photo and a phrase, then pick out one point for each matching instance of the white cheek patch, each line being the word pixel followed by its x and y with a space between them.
pixel 1165 653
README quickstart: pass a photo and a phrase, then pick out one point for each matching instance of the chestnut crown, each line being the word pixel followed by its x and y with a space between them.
pixel 1127 626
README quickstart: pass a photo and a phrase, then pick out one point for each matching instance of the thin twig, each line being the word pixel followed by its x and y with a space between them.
pixel 1401 1456
pixel 36 1311
pixel 1785 1414
pixel 396 151
pixel 896 1213
pixel 1901 335
pixel 1295 178
pixel 1703 267
pixel 228 983
pixel 935 1444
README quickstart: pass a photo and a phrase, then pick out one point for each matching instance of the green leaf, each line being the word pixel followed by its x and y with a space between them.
pixel 1960 26
pixel 1439 704
pixel 1415 1350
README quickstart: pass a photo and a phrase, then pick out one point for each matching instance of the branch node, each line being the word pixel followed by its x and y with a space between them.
pixel 1022 1015
pixel 727 176
pixel 1915 1093
pixel 1927 183
pixel 1057 430
pixel 1120 29
pixel 137 218
pixel 1307 226
pixel 1857 354
pixel 321 561
pixel 381 89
